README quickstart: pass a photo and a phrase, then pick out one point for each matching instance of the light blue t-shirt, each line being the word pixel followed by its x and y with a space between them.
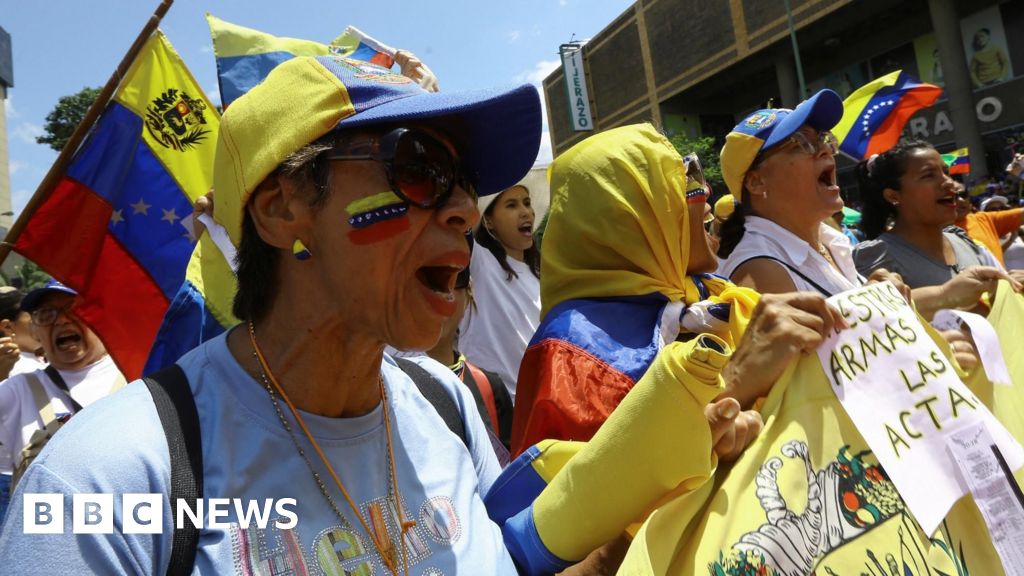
pixel 118 446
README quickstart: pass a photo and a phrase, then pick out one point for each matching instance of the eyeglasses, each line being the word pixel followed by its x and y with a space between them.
pixel 825 141
pixel 47 315
pixel 420 169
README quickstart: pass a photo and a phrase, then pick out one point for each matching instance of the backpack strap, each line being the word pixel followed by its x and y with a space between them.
pixel 483 384
pixel 43 404
pixel 180 420
pixel 792 269
pixel 438 397
pixel 59 381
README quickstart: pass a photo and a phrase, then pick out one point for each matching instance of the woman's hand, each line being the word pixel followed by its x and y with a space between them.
pixel 414 68
pixel 9 354
pixel 962 345
pixel 965 289
pixel 883 275
pixel 732 430
pixel 202 205
pixel 781 327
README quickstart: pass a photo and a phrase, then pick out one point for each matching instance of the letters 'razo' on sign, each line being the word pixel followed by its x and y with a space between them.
pixel 905 398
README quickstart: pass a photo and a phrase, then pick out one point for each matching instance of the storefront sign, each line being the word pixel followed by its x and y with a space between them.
pixel 576 86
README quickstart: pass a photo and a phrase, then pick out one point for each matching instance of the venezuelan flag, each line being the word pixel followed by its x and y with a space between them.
pixel 959 161
pixel 875 113
pixel 245 56
pixel 114 228
pixel 201 308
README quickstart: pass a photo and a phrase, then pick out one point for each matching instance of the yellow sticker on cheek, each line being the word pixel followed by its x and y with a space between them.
pixel 377 217
pixel 371 203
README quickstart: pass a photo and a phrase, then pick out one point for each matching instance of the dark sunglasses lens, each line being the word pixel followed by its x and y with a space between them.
pixel 423 169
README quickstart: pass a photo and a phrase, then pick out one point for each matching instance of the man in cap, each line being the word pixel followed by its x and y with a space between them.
pixel 34 404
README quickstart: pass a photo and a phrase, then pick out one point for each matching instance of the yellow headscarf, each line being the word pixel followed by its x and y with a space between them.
pixel 619 226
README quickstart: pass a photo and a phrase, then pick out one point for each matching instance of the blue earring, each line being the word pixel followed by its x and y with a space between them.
pixel 300 251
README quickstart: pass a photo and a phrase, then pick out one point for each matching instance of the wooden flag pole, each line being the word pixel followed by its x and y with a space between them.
pixel 56 171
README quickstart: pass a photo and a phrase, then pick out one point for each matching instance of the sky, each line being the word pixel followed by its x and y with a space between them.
pixel 62 46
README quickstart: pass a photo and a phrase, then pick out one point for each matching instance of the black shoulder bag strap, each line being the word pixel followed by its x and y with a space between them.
pixel 438 397
pixel 59 381
pixel 180 420
pixel 792 269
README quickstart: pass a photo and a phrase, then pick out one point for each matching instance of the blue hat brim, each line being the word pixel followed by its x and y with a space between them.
pixel 501 127
pixel 822 112
pixel 34 298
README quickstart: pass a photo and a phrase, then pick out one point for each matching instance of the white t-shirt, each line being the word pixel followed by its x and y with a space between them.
pixel 766 238
pixel 28 362
pixel 19 415
pixel 495 334
pixel 1014 255
pixel 118 446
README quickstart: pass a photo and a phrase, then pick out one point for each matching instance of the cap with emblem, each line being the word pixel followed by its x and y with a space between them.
pixel 308 97
pixel 763 129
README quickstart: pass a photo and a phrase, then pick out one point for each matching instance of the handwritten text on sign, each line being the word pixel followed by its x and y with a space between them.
pixel 904 397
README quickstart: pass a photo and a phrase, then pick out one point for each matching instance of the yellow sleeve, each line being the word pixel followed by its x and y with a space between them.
pixel 657 441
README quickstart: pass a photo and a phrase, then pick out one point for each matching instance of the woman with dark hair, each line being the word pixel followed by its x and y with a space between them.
pixel 910 203
pixel 506 286
pixel 780 164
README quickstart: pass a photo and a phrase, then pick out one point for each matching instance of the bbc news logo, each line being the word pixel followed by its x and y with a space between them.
pixel 144 513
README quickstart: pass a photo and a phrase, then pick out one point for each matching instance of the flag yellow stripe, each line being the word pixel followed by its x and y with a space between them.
pixel 180 125
pixel 855 102
pixel 230 40
pixel 211 275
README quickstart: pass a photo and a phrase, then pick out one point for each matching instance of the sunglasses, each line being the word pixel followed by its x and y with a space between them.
pixel 47 315
pixel 421 170
pixel 809 145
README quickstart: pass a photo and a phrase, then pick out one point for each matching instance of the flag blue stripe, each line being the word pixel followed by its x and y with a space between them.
pixel 239 74
pixel 187 324
pixel 624 332
pixel 148 205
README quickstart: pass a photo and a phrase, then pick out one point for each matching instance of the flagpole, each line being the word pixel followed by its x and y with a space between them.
pixel 56 171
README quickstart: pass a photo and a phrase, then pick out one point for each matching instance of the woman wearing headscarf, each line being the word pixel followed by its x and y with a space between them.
pixel 625 265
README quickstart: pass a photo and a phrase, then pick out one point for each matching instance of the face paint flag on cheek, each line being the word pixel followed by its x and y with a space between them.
pixel 377 218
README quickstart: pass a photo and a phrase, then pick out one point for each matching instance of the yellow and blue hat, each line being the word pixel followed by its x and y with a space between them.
pixel 308 97
pixel 765 128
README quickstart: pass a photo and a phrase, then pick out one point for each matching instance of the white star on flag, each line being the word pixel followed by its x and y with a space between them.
pixel 116 217
pixel 141 207
pixel 169 216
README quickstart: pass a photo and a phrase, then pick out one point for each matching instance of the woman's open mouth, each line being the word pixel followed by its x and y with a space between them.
pixel 440 280
pixel 827 178
pixel 526 229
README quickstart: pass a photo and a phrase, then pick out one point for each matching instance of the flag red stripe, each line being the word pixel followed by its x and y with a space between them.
pixel 888 133
pixel 121 302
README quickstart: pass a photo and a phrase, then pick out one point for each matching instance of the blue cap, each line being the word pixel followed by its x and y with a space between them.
pixel 765 128
pixel 773 125
pixel 35 297
pixel 308 97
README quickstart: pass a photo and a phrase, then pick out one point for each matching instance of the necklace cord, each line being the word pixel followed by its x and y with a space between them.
pixel 405 525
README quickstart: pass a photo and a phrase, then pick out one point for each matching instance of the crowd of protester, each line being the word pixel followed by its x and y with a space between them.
pixel 627 370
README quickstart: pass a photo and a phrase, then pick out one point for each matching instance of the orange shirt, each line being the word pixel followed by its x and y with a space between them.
pixel 988 227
